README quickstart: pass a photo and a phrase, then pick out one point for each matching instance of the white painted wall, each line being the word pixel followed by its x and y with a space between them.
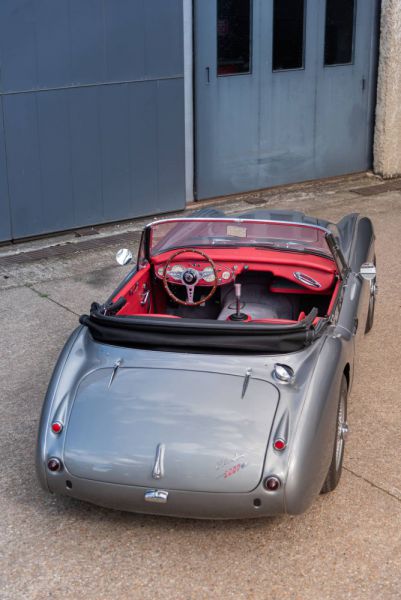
pixel 387 146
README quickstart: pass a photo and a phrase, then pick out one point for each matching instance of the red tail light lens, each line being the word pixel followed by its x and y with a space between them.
pixel 279 445
pixel 57 427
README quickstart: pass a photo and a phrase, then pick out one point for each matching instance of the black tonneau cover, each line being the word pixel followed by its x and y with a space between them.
pixel 201 335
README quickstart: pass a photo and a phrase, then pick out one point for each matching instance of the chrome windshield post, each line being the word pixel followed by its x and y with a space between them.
pixel 338 256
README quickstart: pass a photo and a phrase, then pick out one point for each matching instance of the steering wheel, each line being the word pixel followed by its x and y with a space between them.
pixel 190 278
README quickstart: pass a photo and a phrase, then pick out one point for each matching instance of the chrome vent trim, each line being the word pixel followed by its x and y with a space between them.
pixel 306 280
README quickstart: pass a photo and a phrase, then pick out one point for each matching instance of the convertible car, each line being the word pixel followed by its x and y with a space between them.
pixel 213 383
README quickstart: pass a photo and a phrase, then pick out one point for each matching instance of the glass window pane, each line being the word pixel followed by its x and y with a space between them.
pixel 233 37
pixel 339 40
pixel 288 34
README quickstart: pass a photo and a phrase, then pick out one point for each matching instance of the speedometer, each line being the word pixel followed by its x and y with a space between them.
pixel 176 272
pixel 208 275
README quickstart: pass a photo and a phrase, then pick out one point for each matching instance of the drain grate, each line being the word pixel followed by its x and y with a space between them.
pixel 128 238
pixel 381 188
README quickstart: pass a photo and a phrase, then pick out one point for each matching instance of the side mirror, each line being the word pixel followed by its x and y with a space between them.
pixel 124 256
pixel 368 271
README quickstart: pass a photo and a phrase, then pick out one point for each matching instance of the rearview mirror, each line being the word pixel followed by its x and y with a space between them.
pixel 368 271
pixel 124 256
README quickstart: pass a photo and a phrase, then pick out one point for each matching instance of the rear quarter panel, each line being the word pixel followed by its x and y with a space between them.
pixel 313 442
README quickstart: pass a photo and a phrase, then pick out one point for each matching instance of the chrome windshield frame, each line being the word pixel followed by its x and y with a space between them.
pixel 332 245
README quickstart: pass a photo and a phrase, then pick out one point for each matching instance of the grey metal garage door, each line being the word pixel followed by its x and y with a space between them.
pixel 91 112
pixel 284 91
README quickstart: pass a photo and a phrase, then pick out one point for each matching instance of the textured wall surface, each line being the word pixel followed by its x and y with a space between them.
pixel 387 148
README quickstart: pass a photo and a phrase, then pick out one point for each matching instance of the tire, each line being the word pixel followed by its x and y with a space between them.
pixel 336 465
pixel 372 303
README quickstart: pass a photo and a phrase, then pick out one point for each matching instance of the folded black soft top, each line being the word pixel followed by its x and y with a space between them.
pixel 201 335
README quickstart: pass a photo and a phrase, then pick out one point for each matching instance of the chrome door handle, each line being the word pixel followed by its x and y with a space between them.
pixel 145 297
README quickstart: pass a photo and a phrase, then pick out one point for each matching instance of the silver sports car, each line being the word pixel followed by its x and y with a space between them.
pixel 213 383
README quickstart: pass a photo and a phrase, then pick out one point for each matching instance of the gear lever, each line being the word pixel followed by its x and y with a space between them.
pixel 238 315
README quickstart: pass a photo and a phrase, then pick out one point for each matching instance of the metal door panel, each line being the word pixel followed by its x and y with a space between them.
pixel 116 182
pixel 5 223
pixel 53 142
pixel 163 52
pixel 85 156
pixel 170 162
pixel 23 163
pixel 124 40
pixel 79 152
pixel 269 128
pixel 343 131
pixel 18 68
pixel 227 110
pixel 287 108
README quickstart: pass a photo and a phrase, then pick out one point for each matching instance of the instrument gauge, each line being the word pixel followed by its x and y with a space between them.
pixel 208 275
pixel 160 271
pixel 176 272
pixel 226 275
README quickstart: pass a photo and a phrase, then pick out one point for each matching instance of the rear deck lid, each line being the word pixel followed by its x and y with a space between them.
pixel 206 432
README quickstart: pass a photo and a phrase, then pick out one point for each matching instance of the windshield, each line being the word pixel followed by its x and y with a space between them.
pixel 187 233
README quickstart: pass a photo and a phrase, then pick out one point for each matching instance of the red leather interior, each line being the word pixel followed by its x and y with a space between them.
pixel 144 298
pixel 280 264
pixel 334 297
pixel 134 292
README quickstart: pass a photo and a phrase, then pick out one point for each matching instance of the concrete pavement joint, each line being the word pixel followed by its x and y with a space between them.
pixel 378 487
pixel 47 297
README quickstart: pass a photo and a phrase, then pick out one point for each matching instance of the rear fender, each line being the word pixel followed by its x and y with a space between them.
pixel 52 396
pixel 313 443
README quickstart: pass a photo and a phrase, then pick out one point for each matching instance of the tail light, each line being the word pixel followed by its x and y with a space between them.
pixel 272 483
pixel 54 464
pixel 57 427
pixel 279 444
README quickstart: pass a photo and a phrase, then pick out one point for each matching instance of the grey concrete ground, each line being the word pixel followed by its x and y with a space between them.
pixel 348 545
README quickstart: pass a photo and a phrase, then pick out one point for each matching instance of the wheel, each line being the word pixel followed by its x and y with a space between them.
pixel 336 465
pixel 372 303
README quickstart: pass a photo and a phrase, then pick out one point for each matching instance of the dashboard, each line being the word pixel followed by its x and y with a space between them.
pixel 203 272
pixel 305 273
pixel 288 278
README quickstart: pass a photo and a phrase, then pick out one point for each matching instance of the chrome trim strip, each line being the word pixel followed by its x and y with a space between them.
pixel 246 382
pixel 234 220
pixel 117 365
pixel 158 468
pixel 307 280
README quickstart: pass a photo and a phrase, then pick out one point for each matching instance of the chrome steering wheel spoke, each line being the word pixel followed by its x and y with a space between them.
pixel 190 293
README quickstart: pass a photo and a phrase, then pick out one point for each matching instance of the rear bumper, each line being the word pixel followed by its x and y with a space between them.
pixel 197 505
